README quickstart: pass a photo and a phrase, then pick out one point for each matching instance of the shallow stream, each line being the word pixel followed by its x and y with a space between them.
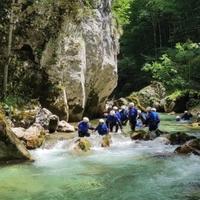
pixel 127 170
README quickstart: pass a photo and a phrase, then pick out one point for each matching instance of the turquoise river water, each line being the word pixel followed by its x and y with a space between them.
pixel 128 170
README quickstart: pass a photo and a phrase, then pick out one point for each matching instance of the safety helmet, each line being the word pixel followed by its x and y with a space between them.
pixel 115 108
pixel 86 119
pixel 131 104
pixel 112 112
pixel 101 121
pixel 153 109
pixel 148 108
pixel 123 107
pixel 139 111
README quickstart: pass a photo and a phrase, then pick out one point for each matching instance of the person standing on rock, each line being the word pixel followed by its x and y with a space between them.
pixel 153 120
pixel 113 121
pixel 83 128
pixel 132 116
pixel 102 128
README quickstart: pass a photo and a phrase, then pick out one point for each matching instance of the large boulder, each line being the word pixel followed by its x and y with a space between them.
pixel 179 138
pixel 192 146
pixel 149 96
pixel 47 120
pixel 43 117
pixel 33 137
pixel 179 101
pixel 63 126
pixel 66 55
pixel 175 102
pixel 11 148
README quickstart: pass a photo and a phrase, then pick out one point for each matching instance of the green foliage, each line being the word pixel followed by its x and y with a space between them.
pixel 178 67
pixel 165 71
pixel 121 9
pixel 176 94
pixel 154 26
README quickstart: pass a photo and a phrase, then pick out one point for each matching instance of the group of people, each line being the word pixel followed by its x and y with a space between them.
pixel 116 118
pixel 186 116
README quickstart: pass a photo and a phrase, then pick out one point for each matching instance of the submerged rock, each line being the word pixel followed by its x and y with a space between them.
pixel 140 135
pixel 63 126
pixel 82 144
pixel 106 141
pixel 179 138
pixel 11 148
pixel 192 146
pixel 162 140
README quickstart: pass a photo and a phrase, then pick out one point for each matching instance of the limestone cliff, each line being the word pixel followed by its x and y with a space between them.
pixel 66 54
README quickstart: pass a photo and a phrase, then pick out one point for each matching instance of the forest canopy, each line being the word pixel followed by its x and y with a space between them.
pixel 160 38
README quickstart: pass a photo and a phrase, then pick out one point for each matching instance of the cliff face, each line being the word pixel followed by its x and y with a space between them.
pixel 67 54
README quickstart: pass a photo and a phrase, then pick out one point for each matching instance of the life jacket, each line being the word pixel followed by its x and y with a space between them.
pixel 154 117
pixel 102 129
pixel 132 113
pixel 112 119
pixel 186 116
pixel 117 114
pixel 124 115
pixel 83 127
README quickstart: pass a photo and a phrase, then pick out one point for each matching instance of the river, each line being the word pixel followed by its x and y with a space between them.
pixel 128 170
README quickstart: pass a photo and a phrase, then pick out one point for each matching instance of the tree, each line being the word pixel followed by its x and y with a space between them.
pixel 178 67
pixel 153 28
pixel 9 46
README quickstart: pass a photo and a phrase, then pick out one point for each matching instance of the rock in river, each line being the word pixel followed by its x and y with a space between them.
pixel 33 137
pixel 140 135
pixel 192 146
pixel 63 126
pixel 179 138
pixel 106 141
pixel 83 145
pixel 11 148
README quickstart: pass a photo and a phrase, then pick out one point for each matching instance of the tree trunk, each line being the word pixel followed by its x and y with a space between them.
pixel 66 103
pixel 10 36
pixel 153 22
pixel 160 34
